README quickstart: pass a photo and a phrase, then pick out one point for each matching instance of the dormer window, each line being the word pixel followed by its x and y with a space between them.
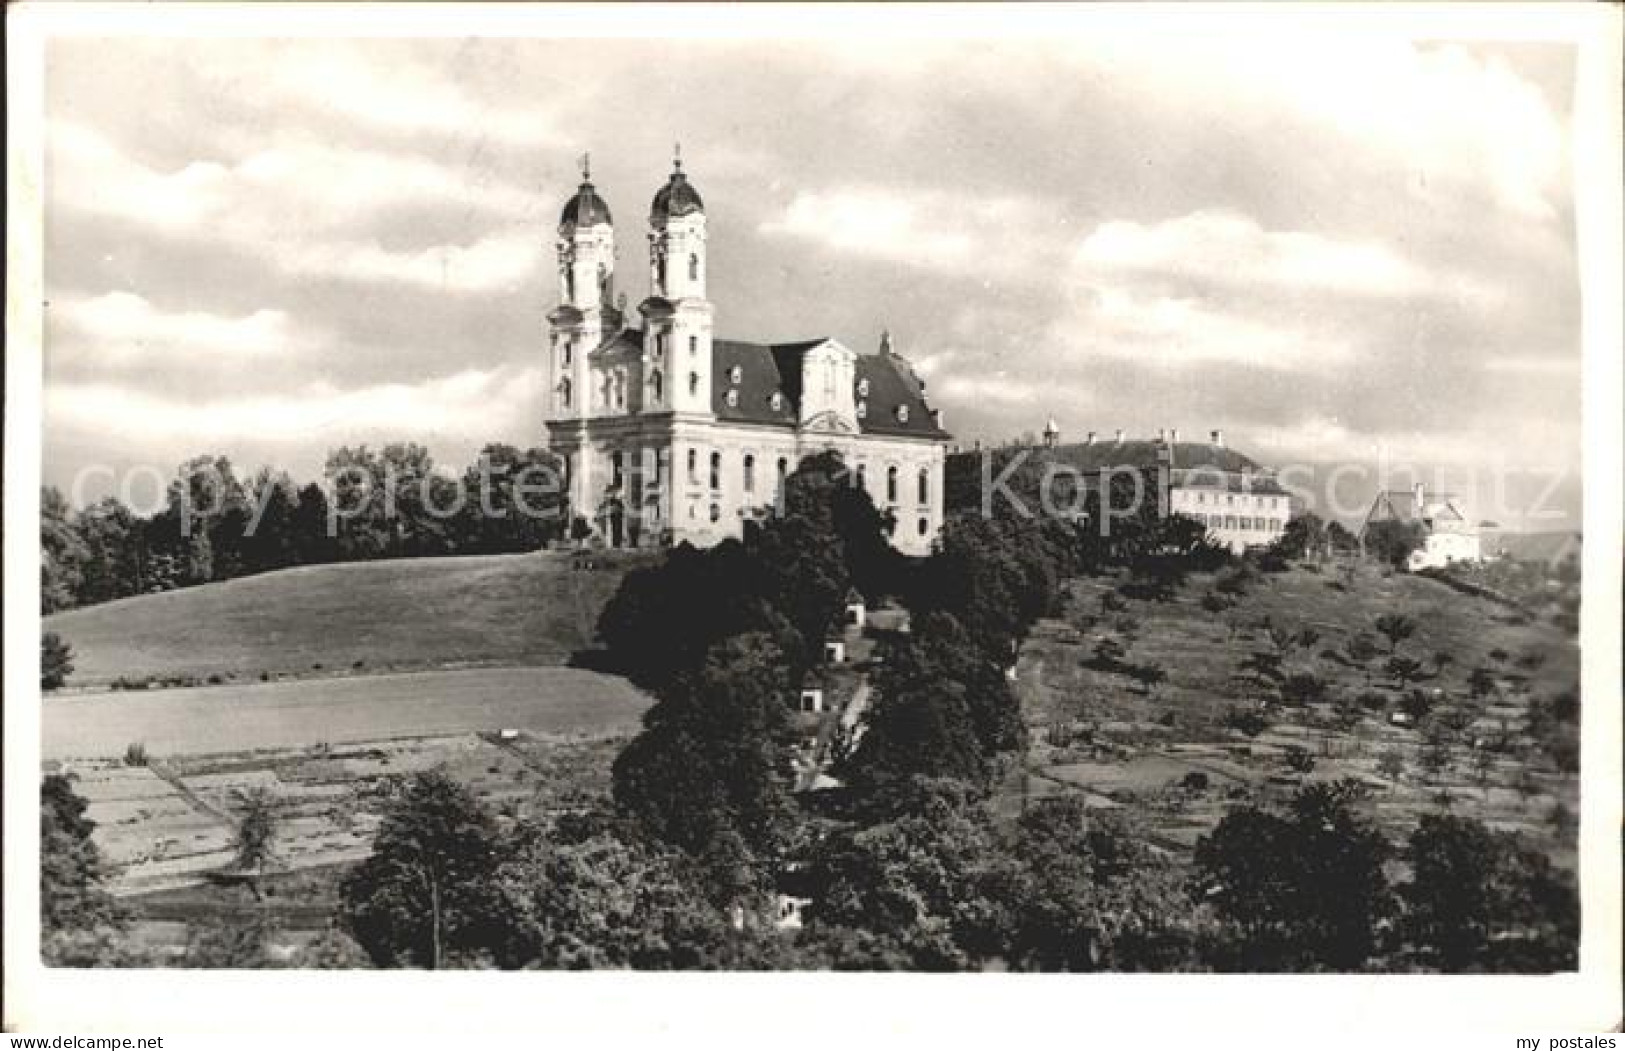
pixel 863 388
pixel 776 402
pixel 863 409
pixel 733 398
pixel 902 414
pixel 735 374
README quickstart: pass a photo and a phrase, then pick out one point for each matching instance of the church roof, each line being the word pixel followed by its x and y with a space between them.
pixel 768 367
pixel 677 198
pixel 586 208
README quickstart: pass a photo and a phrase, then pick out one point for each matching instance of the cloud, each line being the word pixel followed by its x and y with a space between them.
pixel 298 205
pixel 122 327
pixel 400 94
pixel 929 229
pixel 1218 247
pixel 468 404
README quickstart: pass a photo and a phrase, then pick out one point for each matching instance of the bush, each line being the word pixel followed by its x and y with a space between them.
pixel 56 661
pixel 1249 721
pixel 1303 688
pixel 135 754
pixel 1298 760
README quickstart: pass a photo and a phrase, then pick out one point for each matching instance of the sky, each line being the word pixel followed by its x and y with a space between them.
pixel 1332 248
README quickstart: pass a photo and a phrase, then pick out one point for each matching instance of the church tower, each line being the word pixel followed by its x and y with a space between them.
pixel 586 313
pixel 677 315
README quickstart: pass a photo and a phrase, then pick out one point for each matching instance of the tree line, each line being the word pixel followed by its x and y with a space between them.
pixel 215 524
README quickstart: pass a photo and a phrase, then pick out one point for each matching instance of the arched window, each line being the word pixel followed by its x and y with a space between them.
pixel 891 485
pixel 693 345
pixel 620 390
pixel 693 268
pixel 693 383
pixel 716 512
pixel 564 393
pixel 603 282
pixel 569 346
pixel 863 476
pixel 783 472
pixel 925 526
pixel 657 386
pixel 570 284
pixel 660 271
pixel 660 344
pixel 617 469
pixel 750 473
pixel 693 466
pixel 716 470
pixel 925 486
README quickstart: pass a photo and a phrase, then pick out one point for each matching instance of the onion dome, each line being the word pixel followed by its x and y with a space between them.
pixel 586 208
pixel 678 197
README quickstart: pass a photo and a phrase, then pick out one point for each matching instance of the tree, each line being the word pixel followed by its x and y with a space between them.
pixel 1361 651
pixel 425 893
pixel 1391 764
pixel 1480 683
pixel 1304 536
pixel 1480 899
pixel 113 538
pixel 1405 670
pixel 254 842
pixel 934 883
pixel 576 899
pixel 56 661
pixel 1396 628
pixel 1092 898
pixel 62 554
pixel 1392 541
pixel 917 725
pixel 714 754
pixel 73 901
pixel 1303 688
pixel 1303 887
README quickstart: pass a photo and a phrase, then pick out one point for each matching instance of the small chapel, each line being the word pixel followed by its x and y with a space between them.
pixel 671 433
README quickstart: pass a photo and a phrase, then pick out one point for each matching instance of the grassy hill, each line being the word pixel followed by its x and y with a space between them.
pixel 364 616
pixel 1129 746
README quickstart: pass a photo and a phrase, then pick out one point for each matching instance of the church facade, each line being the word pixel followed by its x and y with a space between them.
pixel 671 433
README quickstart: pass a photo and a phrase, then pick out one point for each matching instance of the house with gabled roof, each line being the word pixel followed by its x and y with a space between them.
pixel 671 433
pixel 1448 533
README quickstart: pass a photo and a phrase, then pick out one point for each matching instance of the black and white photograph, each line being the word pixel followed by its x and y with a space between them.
pixel 1069 491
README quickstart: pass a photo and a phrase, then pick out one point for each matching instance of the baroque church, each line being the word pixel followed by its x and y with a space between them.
pixel 670 433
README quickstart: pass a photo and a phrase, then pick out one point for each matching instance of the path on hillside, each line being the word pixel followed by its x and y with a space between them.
pixel 213 719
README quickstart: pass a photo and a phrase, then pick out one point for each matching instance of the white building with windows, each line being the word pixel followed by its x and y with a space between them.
pixel 1241 503
pixel 670 433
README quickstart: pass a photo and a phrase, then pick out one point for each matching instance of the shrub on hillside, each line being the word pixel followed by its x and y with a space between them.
pixel 56 661
pixel 1250 721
